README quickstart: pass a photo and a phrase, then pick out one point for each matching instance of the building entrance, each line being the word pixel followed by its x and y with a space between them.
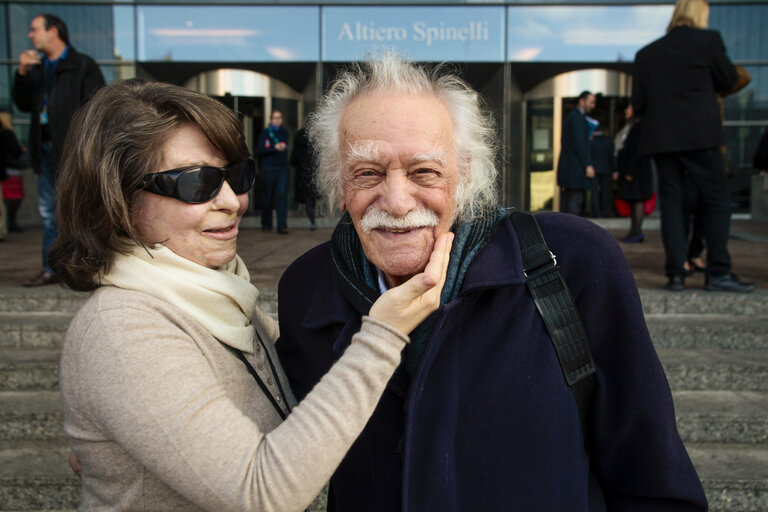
pixel 253 96
pixel 545 107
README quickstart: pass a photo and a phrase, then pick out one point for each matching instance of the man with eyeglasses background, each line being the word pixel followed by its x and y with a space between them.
pixel 52 80
pixel 275 171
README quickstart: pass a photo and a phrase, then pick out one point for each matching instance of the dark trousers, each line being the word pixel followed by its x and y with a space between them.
pixel 275 181
pixel 594 193
pixel 706 172
pixel 605 184
pixel 572 200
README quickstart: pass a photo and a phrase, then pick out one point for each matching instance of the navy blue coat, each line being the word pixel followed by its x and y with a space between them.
pixel 488 422
pixel 575 153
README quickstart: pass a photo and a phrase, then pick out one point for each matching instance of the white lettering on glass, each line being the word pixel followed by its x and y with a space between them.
pixel 370 32
pixel 422 32
pixel 472 31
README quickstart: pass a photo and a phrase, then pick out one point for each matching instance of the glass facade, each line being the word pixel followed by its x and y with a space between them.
pixel 743 28
pixel 504 48
pixel 602 33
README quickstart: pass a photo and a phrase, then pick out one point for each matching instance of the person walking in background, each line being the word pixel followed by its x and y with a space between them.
pixel 635 179
pixel 13 159
pixel 52 81
pixel 676 81
pixel 695 209
pixel 574 165
pixel 275 172
pixel 302 159
pixel 604 162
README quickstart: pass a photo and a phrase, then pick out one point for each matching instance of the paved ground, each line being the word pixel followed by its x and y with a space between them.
pixel 268 254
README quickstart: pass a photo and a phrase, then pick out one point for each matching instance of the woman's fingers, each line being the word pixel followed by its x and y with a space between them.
pixel 406 306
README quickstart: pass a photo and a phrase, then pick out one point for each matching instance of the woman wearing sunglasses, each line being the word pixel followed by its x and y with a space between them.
pixel 173 396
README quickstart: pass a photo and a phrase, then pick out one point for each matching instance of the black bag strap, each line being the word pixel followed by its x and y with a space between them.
pixel 555 304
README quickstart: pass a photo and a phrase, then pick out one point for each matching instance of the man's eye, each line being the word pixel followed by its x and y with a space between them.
pixel 425 175
pixel 366 178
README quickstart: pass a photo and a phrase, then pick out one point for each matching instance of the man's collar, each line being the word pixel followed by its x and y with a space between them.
pixel 62 55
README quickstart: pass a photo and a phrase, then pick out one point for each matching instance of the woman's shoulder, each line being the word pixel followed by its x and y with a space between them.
pixel 121 312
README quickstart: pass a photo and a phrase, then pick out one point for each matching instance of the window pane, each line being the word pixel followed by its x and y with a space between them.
pixel 751 103
pixel 583 33
pixel 5 87
pixel 228 34
pixel 90 27
pixel 743 28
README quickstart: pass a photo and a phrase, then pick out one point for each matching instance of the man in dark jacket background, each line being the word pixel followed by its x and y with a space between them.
pixel 574 165
pixel 272 149
pixel 52 81
pixel 479 416
pixel 676 81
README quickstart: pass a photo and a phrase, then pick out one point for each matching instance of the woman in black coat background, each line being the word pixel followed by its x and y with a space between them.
pixel 635 184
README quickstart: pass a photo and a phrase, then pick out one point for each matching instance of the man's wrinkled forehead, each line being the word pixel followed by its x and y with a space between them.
pixel 369 151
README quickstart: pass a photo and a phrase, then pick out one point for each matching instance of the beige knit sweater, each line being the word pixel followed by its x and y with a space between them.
pixel 164 417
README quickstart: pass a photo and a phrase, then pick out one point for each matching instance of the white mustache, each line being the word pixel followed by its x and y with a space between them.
pixel 376 218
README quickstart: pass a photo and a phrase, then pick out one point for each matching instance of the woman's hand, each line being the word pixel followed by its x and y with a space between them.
pixel 406 306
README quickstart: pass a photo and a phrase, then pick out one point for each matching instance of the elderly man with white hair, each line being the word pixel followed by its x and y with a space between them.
pixel 479 416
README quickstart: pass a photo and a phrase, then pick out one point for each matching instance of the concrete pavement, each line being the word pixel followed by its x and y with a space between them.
pixel 268 254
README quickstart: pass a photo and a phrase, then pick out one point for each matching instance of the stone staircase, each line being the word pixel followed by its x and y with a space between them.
pixel 714 348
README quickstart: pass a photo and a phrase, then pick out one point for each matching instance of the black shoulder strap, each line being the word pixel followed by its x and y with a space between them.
pixel 555 304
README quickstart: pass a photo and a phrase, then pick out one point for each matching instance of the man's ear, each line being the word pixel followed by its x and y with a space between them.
pixel 342 206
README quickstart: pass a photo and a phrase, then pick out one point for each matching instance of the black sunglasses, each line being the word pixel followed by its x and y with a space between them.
pixel 201 183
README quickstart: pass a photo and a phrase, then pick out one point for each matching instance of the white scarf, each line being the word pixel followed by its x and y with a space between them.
pixel 222 300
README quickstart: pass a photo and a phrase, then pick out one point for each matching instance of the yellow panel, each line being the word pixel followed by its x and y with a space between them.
pixel 542 189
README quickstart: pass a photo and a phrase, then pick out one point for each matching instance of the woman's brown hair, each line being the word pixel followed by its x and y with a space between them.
pixel 114 140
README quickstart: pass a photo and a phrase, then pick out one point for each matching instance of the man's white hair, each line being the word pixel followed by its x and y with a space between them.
pixel 474 135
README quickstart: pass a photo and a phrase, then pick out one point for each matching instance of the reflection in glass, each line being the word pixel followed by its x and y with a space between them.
pixel 583 33
pixel 228 33
pixel 124 32
pixel 5 87
pixel 743 28
pixel 751 103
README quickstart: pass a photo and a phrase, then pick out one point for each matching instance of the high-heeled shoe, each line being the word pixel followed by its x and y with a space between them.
pixel 695 267
pixel 634 239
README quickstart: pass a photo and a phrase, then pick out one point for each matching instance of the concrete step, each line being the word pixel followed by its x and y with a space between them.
pixel 33 330
pixel 713 369
pixel 692 302
pixel 56 299
pixel 708 331
pixel 31 415
pixel 28 369
pixel 44 298
pixel 735 477
pixel 722 416
pixel 36 476
pixel 702 416
pixel 686 369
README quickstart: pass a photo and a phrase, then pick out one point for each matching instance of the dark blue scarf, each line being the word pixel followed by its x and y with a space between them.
pixel 358 279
